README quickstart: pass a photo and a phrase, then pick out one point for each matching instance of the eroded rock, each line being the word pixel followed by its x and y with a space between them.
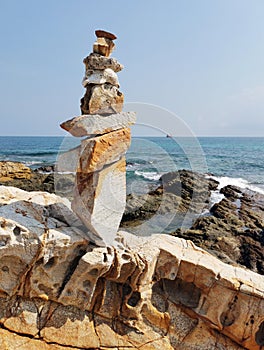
pixel 159 292
pixel 96 61
pixel 13 170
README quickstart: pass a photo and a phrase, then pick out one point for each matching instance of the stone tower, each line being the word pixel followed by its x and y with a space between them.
pixel 100 186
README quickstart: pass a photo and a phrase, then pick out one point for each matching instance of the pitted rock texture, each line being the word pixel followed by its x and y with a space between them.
pixel 59 291
pixel 96 61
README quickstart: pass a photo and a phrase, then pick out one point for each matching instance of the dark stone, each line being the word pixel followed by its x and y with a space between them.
pixel 259 337
pixel 103 34
pixel 177 291
pixel 134 299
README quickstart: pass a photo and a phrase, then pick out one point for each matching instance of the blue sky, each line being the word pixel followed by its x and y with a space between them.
pixel 201 59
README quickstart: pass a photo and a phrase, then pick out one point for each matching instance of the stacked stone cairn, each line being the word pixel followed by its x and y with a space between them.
pixel 100 185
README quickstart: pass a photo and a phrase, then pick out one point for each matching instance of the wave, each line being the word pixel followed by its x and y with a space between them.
pixel 236 181
pixel 149 175
pixel 216 196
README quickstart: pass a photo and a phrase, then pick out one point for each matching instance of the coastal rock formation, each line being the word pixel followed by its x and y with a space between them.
pixel 42 179
pixel 58 290
pixel 230 229
pixel 100 190
pixel 13 170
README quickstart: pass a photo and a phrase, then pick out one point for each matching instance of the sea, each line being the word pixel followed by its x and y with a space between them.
pixel 231 160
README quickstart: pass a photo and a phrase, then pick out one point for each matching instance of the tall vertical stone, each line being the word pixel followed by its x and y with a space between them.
pixel 100 186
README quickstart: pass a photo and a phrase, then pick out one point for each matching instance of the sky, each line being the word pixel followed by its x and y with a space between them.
pixel 201 60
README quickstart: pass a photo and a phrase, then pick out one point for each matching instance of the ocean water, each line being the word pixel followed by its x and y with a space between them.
pixel 236 160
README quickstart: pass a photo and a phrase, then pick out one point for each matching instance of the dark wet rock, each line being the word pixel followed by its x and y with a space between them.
pixel 45 169
pixel 234 230
pixel 231 192
pixel 181 192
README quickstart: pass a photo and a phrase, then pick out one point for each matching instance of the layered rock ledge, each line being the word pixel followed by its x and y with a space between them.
pixel 58 290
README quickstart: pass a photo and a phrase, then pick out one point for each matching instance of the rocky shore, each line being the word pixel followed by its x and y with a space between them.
pixel 232 229
pixel 59 290
pixel 82 266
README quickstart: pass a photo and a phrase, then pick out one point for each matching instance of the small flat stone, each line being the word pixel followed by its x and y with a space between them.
pixel 103 34
pixel 95 124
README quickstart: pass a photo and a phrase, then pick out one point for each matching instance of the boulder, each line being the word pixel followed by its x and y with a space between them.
pixel 95 124
pixel 100 77
pixel 11 194
pixel 102 99
pixel 96 61
pixel 13 170
pixel 58 290
pixel 100 199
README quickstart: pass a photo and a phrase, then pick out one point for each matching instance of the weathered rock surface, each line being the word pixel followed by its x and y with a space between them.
pixel 102 99
pixel 96 61
pixel 57 290
pixel 233 230
pixel 235 235
pixel 100 77
pixel 13 170
pixel 95 124
pixel 13 194
pixel 100 199
pixel 41 179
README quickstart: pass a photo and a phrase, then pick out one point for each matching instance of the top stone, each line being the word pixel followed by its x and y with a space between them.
pixel 104 34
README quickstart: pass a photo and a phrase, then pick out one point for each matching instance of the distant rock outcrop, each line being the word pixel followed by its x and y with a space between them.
pixel 13 170
pixel 58 290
